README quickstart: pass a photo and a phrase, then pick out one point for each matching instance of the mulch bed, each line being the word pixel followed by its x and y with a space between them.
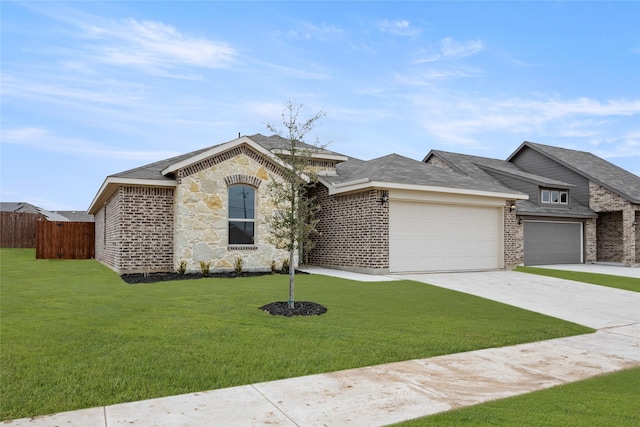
pixel 136 278
pixel 281 308
pixel 302 308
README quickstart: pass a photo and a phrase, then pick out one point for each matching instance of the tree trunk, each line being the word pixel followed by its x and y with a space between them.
pixel 292 272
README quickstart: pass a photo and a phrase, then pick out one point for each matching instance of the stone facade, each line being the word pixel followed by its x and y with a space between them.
pixel 201 212
pixel 616 227
pixel 134 230
pixel 354 230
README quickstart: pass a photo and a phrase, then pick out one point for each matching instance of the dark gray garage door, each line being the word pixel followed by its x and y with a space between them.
pixel 552 242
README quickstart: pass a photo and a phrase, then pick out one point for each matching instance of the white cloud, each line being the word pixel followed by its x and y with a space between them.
pixel 308 31
pixel 155 45
pixel 399 28
pixel 449 48
pixel 458 118
pixel 44 139
pixel 627 145
pixel 454 49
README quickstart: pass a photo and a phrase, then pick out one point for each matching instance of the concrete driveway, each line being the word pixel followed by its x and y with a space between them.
pixel 590 305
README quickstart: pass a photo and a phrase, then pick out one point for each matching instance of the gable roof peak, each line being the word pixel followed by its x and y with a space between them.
pixel 590 166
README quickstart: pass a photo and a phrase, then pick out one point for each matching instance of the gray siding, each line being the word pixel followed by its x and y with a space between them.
pixel 534 162
pixel 519 185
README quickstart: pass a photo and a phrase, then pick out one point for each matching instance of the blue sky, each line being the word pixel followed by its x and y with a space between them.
pixel 94 88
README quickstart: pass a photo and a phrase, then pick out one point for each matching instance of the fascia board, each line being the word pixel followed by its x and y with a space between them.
pixel 554 215
pixel 362 184
pixel 222 148
pixel 111 183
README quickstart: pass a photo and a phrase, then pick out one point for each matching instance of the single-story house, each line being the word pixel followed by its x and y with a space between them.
pixel 580 209
pixel 390 214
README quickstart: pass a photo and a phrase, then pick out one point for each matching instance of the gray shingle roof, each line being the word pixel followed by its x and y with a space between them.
pixel 154 170
pixel 575 210
pixel 275 142
pixel 592 167
pixel 76 216
pixel 395 168
pixel 29 208
pixel 476 166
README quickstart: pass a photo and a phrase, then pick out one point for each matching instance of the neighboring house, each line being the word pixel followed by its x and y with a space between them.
pixel 391 214
pixel 21 207
pixel 76 216
pixel 581 208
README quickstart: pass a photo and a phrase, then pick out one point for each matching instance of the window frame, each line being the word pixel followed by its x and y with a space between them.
pixel 231 219
pixel 554 196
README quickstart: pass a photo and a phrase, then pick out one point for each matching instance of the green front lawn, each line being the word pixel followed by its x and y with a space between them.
pixel 73 335
pixel 608 400
pixel 620 282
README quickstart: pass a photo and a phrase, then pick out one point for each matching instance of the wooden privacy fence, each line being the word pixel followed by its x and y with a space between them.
pixel 65 240
pixel 18 229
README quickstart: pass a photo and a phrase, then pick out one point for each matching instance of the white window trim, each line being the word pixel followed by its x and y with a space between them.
pixel 549 197
pixel 251 220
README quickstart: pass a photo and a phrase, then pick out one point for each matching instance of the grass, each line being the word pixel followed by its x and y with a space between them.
pixel 620 282
pixel 608 400
pixel 73 335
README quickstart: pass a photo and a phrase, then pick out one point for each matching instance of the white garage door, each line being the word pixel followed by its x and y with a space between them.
pixel 441 237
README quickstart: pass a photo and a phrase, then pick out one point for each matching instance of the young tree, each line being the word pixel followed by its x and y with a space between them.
pixel 293 221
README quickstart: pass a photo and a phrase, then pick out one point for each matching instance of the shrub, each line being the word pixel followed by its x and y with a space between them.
pixel 238 266
pixel 285 266
pixel 274 268
pixel 204 268
pixel 182 268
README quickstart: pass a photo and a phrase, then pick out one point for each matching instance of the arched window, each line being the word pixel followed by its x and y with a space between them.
pixel 242 202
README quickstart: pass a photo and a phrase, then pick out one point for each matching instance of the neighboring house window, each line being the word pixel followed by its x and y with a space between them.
pixel 241 214
pixel 555 197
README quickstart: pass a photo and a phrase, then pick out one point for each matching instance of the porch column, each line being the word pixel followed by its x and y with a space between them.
pixel 629 235
pixel 591 243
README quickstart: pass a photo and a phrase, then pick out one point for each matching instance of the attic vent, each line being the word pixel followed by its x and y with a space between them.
pixel 242 178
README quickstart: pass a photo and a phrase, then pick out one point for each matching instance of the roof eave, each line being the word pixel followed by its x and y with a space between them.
pixel 315 155
pixel 365 183
pixel 555 214
pixel 111 184
pixel 220 149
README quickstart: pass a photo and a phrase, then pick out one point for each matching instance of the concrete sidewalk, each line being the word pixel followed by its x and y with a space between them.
pixel 602 268
pixel 390 393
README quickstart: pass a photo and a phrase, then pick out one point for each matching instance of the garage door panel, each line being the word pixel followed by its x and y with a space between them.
pixel 443 237
pixel 547 242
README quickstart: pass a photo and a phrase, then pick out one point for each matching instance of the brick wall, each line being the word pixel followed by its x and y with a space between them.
pixel 609 237
pixel 107 226
pixel 354 231
pixel 617 237
pixel 134 230
pixel 591 240
pixel 637 232
pixel 513 238
pixel 147 229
